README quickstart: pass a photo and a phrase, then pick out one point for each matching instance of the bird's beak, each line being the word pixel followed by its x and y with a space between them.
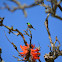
pixel 26 23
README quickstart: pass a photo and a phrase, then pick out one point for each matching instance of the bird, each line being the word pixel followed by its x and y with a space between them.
pixel 30 26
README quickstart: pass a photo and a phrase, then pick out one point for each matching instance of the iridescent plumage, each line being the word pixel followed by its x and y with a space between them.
pixel 29 25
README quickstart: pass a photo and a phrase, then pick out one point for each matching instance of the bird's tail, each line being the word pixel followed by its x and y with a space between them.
pixel 34 28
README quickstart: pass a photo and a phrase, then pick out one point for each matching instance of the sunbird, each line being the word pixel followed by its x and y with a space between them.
pixel 29 25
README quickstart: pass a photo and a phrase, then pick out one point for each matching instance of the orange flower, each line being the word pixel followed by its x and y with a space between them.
pixel 34 53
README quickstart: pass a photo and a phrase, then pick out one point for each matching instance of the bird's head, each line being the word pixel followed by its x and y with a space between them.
pixel 26 23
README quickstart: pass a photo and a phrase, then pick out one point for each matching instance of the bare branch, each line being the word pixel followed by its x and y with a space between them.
pixel 30 35
pixel 1 60
pixel 55 51
pixel 60 7
pixel 46 24
pixel 15 30
pixel 12 43
pixel 18 59
pixel 1 22
pixel 56 16
pixel 20 6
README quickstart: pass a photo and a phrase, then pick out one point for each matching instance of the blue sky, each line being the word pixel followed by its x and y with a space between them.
pixel 36 16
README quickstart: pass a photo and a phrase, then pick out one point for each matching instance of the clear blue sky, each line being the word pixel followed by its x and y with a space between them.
pixel 36 16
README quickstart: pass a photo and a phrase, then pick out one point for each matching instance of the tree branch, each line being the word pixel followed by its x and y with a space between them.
pixel 11 30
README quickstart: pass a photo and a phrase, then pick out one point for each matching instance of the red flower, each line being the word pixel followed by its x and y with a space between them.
pixel 34 53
